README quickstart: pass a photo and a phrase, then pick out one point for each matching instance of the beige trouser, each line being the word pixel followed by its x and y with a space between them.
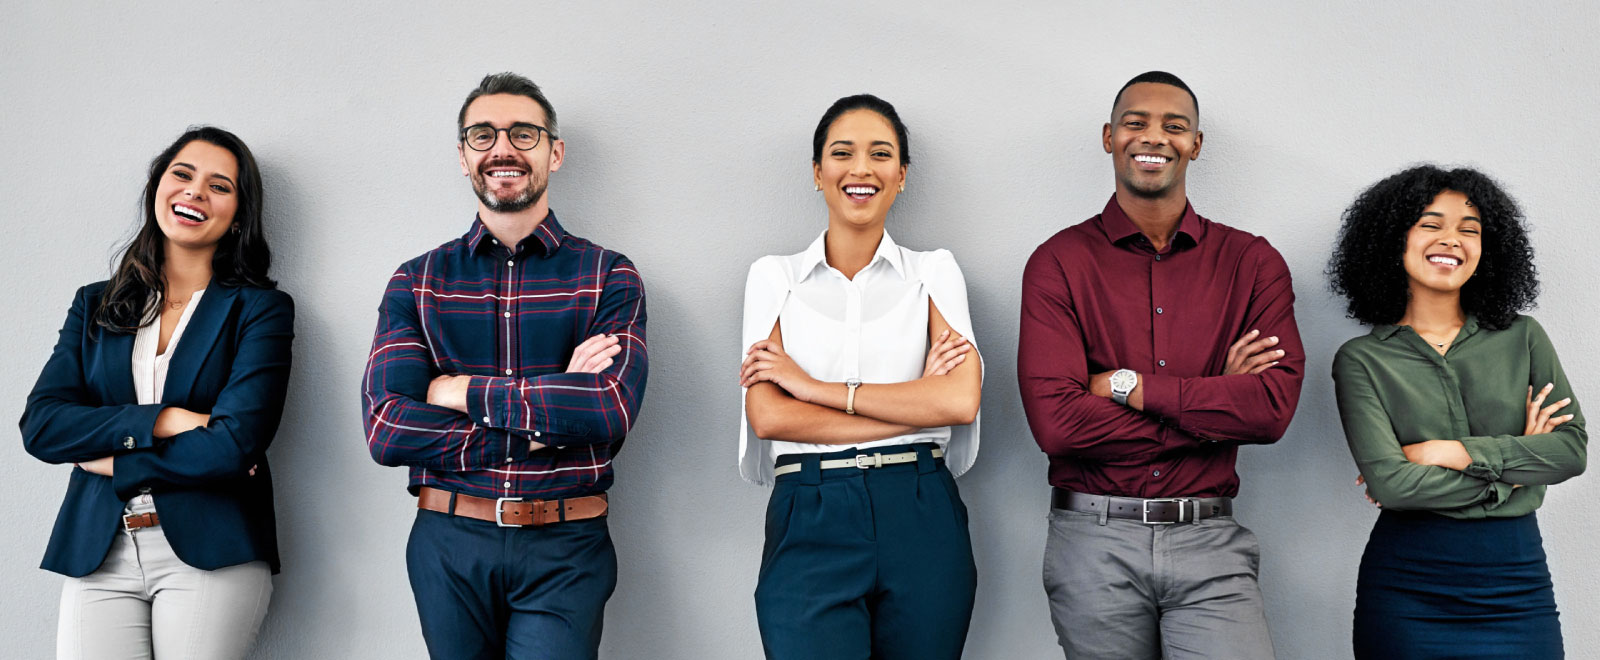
pixel 144 600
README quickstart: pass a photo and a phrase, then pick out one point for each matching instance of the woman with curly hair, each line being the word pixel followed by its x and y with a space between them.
pixel 1439 264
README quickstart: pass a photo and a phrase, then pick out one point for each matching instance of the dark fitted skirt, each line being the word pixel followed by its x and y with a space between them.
pixel 1437 587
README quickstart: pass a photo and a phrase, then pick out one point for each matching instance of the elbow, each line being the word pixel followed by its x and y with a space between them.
pixel 763 425
pixel 963 413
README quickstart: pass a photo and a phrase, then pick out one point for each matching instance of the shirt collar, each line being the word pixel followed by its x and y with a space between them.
pixel 549 236
pixel 816 256
pixel 1386 330
pixel 1118 227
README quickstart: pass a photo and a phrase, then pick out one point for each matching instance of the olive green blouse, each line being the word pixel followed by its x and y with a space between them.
pixel 1394 389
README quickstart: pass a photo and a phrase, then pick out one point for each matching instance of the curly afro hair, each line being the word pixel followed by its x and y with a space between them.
pixel 1366 266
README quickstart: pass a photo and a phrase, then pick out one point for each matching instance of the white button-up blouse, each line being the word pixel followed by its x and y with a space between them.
pixel 874 328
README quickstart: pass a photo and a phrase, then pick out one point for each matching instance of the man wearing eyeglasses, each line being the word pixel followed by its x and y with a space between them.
pixel 507 366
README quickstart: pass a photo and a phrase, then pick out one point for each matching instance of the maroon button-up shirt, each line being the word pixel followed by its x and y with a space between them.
pixel 1098 297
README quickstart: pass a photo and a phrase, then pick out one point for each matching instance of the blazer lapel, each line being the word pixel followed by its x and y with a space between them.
pixel 202 333
pixel 116 348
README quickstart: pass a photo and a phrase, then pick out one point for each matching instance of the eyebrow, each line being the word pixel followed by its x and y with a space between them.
pixel 1464 218
pixel 1141 113
pixel 224 177
pixel 851 143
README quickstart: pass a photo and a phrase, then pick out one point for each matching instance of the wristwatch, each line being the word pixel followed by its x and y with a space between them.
pixel 1122 383
pixel 850 399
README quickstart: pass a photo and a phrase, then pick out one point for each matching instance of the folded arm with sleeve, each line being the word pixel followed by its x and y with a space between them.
pixel 1068 420
pixel 565 409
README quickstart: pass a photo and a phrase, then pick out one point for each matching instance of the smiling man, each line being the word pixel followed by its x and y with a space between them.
pixel 1154 342
pixel 507 366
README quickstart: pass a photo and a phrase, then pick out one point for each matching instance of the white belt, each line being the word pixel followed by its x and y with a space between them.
pixel 862 461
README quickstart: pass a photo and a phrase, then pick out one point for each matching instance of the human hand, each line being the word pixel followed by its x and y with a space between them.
pixel 1367 492
pixel 174 420
pixel 594 355
pixel 100 466
pixel 1539 415
pixel 766 361
pixel 1250 355
pixel 449 391
pixel 1443 453
pixel 945 354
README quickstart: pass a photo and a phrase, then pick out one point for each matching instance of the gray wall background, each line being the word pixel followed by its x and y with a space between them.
pixel 688 135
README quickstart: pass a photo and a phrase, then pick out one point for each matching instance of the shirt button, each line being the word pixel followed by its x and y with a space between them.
pixel 496 241
pixel 1158 257
pixel 508 459
pixel 128 442
pixel 508 484
pixel 1157 473
pixel 535 434
pixel 508 372
pixel 486 419
pixel 510 262
pixel 1158 310
pixel 506 314
pixel 1161 363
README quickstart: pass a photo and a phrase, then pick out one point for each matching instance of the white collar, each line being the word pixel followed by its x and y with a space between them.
pixel 816 256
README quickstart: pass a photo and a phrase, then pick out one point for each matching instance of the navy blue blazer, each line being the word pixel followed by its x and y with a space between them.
pixel 232 363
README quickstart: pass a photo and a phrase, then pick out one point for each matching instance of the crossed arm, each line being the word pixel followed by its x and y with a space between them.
pixel 783 402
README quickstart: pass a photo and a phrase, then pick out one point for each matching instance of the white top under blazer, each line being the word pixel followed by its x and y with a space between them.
pixel 874 328
pixel 149 367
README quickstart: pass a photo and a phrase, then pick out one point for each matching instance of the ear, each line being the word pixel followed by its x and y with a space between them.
pixel 1105 137
pixel 558 154
pixel 816 174
pixel 902 176
pixel 461 155
pixel 1199 138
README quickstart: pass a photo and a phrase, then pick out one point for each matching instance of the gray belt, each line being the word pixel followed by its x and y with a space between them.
pixel 861 461
pixel 1154 511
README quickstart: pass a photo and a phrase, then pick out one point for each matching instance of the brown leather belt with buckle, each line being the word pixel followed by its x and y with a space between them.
pixel 513 511
pixel 1151 511
pixel 135 521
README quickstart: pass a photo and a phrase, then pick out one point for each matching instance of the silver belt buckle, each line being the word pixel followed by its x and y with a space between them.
pixel 125 518
pixel 865 461
pixel 1144 513
pixel 500 511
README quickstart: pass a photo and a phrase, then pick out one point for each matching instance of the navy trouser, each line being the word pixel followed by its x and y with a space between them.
pixel 511 593
pixel 866 563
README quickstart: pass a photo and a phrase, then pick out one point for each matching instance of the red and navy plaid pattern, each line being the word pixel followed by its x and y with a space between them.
pixel 510 319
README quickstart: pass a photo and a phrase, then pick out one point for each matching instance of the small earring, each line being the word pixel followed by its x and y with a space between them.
pixel 234 229
pixel 819 187
pixel 902 187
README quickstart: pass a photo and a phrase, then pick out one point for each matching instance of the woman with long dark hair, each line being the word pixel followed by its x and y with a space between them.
pixel 164 390
pixel 1459 416
pixel 861 387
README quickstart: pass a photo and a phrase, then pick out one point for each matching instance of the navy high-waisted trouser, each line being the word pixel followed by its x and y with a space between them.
pixel 873 563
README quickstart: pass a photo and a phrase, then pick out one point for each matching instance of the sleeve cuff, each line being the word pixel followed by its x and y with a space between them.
pixel 140 432
pixel 486 401
pixel 1161 398
pixel 1487 460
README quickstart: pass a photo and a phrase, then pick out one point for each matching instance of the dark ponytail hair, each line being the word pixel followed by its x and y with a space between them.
pixel 131 298
pixel 861 102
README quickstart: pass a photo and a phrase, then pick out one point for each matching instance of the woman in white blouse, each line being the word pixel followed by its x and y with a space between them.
pixel 861 387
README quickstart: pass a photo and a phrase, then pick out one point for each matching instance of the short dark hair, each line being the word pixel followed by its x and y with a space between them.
pixel 1163 78
pixel 861 102
pixel 510 83
pixel 1366 266
pixel 242 258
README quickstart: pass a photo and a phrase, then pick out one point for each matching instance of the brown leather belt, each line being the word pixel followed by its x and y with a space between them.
pixel 1153 511
pixel 513 511
pixel 135 521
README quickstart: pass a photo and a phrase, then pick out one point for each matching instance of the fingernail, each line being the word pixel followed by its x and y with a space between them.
pixel 1281 353
pixel 1549 385
pixel 1274 340
pixel 1566 401
pixel 1255 332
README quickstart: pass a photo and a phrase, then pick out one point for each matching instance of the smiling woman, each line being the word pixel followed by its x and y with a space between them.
pixel 164 391
pixel 1439 410
pixel 862 385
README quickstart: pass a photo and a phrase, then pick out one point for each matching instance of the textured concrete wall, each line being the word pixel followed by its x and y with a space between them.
pixel 687 149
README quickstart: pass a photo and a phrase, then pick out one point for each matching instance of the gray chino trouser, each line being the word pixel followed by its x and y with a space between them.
pixel 1124 590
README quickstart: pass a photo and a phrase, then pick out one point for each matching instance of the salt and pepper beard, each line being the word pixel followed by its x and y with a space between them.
pixel 528 197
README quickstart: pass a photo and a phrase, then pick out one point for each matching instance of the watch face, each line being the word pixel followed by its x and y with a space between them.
pixel 1123 381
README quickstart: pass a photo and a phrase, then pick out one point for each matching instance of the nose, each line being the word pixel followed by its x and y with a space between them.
pixel 860 165
pixel 502 146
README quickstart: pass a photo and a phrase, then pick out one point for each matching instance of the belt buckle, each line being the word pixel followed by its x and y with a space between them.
pixel 1144 513
pixel 125 518
pixel 500 511
pixel 865 461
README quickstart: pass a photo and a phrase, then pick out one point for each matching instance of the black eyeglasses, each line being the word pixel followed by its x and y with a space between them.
pixel 482 137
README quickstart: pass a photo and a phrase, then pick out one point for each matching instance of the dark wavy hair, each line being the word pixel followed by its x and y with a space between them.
pixel 861 102
pixel 139 279
pixel 1366 267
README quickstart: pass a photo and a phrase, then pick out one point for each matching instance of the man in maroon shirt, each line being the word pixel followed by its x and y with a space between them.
pixel 1153 343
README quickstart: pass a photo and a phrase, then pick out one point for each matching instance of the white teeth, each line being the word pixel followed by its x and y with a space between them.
pixel 189 213
pixel 1150 159
pixel 504 174
pixel 859 190
pixel 1445 260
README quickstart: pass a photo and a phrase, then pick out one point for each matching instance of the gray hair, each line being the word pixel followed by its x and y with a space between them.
pixel 510 83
